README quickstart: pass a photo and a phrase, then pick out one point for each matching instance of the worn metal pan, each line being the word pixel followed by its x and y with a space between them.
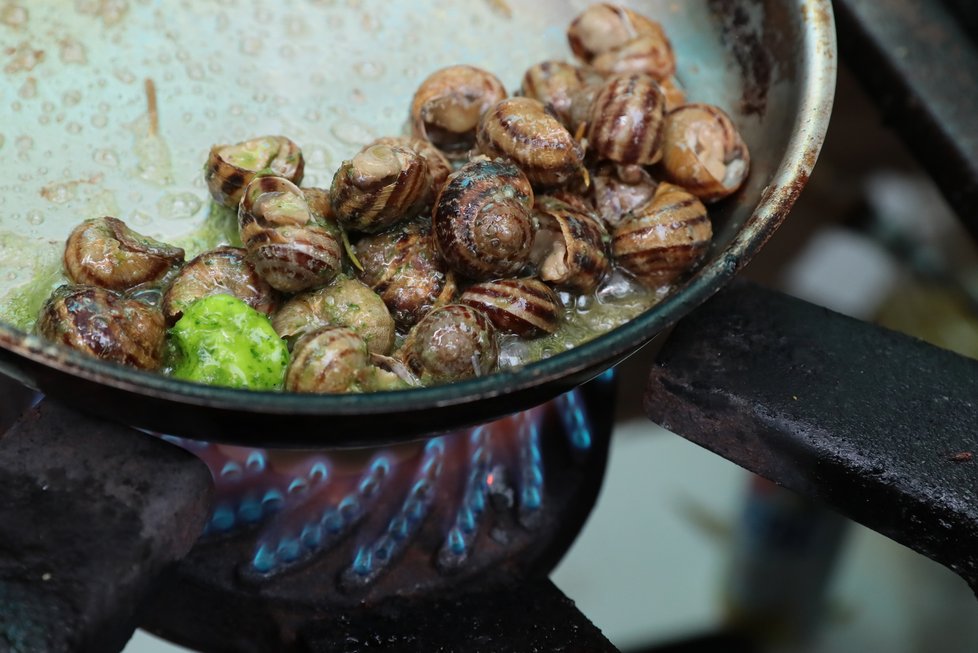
pixel 82 137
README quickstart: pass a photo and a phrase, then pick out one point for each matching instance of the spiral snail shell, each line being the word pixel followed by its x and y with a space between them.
pixel 674 93
pixel 447 107
pixel 105 324
pixel 327 360
pixel 230 168
pixel 569 250
pixel 526 307
pixel 403 267
pixel 615 193
pixel 451 343
pixel 106 252
pixel 379 187
pixel 614 39
pixel 665 238
pixel 287 248
pixel 345 302
pixel 438 165
pixel 704 152
pixel 626 118
pixel 482 220
pixel 554 83
pixel 221 271
pixel 522 130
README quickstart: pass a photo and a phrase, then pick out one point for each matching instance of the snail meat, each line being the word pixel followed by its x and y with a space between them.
pixel 570 248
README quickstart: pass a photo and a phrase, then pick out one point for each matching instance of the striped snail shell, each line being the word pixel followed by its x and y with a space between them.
pixel 379 187
pixel 451 343
pixel 604 34
pixel 662 240
pixel 482 220
pixel 230 168
pixel 526 307
pixel 569 250
pixel 554 83
pixel 221 271
pixel 650 54
pixel 438 165
pixel 105 324
pixel 327 360
pixel 615 193
pixel 106 252
pixel 626 118
pixel 703 152
pixel 285 245
pixel 522 130
pixel 345 302
pixel 403 266
pixel 448 105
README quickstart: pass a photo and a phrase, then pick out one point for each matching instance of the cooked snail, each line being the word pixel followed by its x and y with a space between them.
pixel 554 83
pixel 448 105
pixel 345 302
pixel 526 307
pixel 569 250
pixel 106 252
pixel 522 130
pixel 618 190
pixel 451 343
pixel 221 271
pixel 482 220
pixel 662 240
pixel 674 93
pixel 230 168
pixel 703 152
pixel 105 324
pixel 327 360
pixel 615 39
pixel 438 165
pixel 403 267
pixel 379 187
pixel 286 246
pixel 626 118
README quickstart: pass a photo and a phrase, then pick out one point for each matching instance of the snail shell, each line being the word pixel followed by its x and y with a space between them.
pixel 603 33
pixel 569 250
pixel 221 271
pixel 327 360
pixel 451 343
pixel 285 245
pixel 703 152
pixel 665 238
pixel 438 165
pixel 648 53
pixel 230 168
pixel 482 220
pixel 448 105
pixel 526 307
pixel 345 302
pixel 554 83
pixel 104 324
pixel 106 252
pixel 674 93
pixel 615 194
pixel 380 186
pixel 625 121
pixel 522 130
pixel 403 267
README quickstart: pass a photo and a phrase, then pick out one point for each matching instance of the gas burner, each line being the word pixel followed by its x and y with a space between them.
pixel 295 536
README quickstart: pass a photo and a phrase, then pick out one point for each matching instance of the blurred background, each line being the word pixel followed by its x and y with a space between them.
pixel 670 560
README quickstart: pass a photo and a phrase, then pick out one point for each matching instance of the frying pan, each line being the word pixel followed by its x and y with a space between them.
pixel 110 107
